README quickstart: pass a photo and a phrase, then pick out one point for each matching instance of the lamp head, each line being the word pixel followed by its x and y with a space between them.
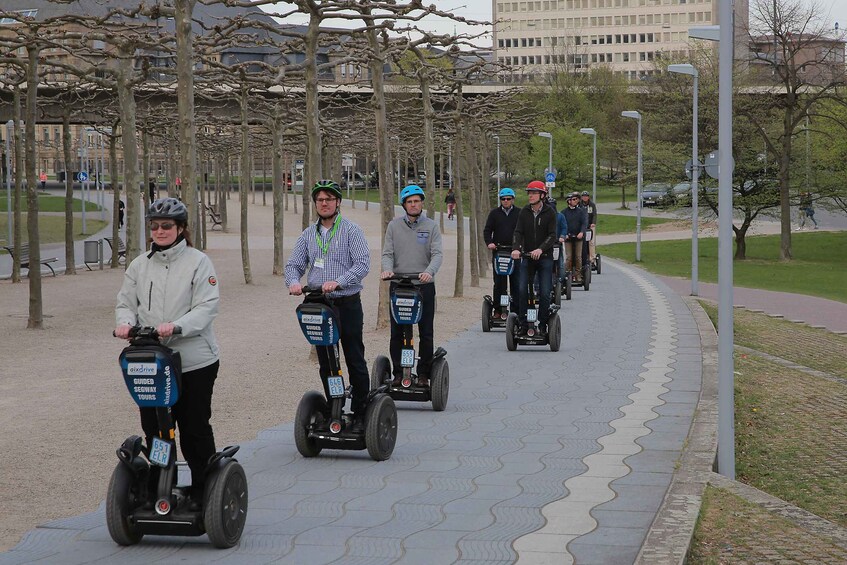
pixel 683 69
pixel 589 131
pixel 631 114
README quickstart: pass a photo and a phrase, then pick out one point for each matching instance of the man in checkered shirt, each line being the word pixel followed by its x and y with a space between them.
pixel 335 252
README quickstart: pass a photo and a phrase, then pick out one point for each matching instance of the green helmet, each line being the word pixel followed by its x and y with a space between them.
pixel 327 185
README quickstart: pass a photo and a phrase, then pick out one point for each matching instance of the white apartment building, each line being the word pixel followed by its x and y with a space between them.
pixel 627 36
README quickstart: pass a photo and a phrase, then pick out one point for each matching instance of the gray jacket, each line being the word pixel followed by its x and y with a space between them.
pixel 412 249
pixel 176 285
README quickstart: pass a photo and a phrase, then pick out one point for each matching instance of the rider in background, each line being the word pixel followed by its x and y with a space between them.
pixel 591 209
pixel 175 286
pixel 500 230
pixel 577 221
pixel 561 233
pixel 413 245
pixel 335 252
pixel 535 234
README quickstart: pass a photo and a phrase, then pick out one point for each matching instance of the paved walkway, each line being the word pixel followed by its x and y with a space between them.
pixel 540 457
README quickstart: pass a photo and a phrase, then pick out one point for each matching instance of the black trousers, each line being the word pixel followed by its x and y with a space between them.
pixel 191 413
pixel 351 322
pixel 426 331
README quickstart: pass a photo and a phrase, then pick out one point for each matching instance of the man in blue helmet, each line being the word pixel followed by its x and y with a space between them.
pixel 499 229
pixel 413 245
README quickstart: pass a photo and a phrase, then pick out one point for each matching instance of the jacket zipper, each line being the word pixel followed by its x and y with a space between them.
pixel 150 297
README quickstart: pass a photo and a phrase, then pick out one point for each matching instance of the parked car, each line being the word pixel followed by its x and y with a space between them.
pixel 357 181
pixel 657 194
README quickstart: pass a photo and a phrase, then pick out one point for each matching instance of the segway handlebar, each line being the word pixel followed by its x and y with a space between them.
pixel 146 331
pixel 403 276
pixel 317 289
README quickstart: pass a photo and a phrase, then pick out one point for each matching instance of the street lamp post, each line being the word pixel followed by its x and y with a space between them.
pixel 637 116
pixel 497 137
pixel 82 156
pixel 9 125
pixel 549 136
pixel 593 134
pixel 687 69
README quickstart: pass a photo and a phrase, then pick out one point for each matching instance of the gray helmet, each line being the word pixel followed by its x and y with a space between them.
pixel 169 208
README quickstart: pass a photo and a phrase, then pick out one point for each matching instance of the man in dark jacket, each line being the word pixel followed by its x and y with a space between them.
pixel 535 234
pixel 577 220
pixel 500 230
pixel 591 209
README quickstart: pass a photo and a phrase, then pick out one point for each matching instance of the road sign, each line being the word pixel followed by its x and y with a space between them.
pixel 711 164
pixel 550 177
pixel 550 184
pixel 689 169
pixel 82 176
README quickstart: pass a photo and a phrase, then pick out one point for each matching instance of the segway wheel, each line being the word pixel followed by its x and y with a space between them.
pixel 380 371
pixel 439 384
pixel 568 286
pixel 597 263
pixel 121 499
pixel 586 277
pixel 554 332
pixel 381 427
pixel 557 292
pixel 486 316
pixel 312 408
pixel 511 322
pixel 226 505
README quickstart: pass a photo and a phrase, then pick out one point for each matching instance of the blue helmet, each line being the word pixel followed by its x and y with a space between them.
pixel 506 192
pixel 411 190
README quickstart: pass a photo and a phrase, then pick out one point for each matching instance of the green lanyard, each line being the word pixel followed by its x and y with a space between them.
pixel 324 246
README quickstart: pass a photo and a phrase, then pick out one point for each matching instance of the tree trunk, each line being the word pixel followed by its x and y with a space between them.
pixel 441 180
pixel 383 158
pixel 784 194
pixel 313 125
pixel 36 317
pixel 134 216
pixel 471 168
pixel 243 187
pixel 429 144
pixel 116 194
pixel 19 171
pixel 278 192
pixel 483 206
pixel 458 287
pixel 185 109
pixel 70 260
pixel 741 241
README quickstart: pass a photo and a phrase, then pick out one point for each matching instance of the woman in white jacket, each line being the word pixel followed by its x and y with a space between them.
pixel 175 286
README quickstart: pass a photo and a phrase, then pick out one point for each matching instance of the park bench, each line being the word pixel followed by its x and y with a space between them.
pixel 121 248
pixel 25 257
pixel 214 216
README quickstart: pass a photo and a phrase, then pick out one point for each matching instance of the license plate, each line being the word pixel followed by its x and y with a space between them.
pixel 555 253
pixel 407 358
pixel 336 387
pixel 504 300
pixel 531 315
pixel 160 453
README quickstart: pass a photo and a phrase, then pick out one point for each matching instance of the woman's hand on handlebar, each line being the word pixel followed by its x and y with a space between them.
pixel 166 330
pixel 122 331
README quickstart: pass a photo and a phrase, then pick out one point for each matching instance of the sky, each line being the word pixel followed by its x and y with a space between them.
pixel 480 10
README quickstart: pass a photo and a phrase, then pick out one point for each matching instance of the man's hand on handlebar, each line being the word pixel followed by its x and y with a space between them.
pixel 579 235
pixel 516 254
pixel 329 286
pixel 492 246
pixel 385 275
pixel 562 239
pixel 425 277
pixel 295 289
pixel 535 254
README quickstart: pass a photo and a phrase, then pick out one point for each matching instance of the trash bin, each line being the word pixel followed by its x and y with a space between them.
pixel 93 252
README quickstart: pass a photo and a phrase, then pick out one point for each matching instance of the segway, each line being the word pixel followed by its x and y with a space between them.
pixel 556 297
pixel 503 266
pixel 515 335
pixel 143 496
pixel 320 421
pixel 406 309
pixel 595 265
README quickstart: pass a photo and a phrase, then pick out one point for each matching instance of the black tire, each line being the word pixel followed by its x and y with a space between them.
pixel 568 286
pixel 597 262
pixel 380 371
pixel 381 427
pixel 312 406
pixel 439 383
pixel 226 505
pixel 511 322
pixel 586 277
pixel 554 332
pixel 557 292
pixel 121 499
pixel 486 316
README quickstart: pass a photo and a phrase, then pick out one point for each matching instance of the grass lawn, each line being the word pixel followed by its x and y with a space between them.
pixel 612 224
pixel 51 203
pixel 819 267
pixel 51 229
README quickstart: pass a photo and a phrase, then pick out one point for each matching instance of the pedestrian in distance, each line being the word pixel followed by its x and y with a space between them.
pixel 413 245
pixel 121 208
pixel 43 179
pixel 174 289
pixel 450 200
pixel 807 210
pixel 535 235
pixel 500 230
pixel 335 253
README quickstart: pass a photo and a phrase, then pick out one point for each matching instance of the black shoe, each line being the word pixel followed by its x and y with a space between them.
pixel 195 499
pixel 542 332
pixel 396 381
pixel 358 426
pixel 423 381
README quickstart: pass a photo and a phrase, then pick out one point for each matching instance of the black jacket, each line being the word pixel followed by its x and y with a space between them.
pixel 577 219
pixel 591 208
pixel 535 232
pixel 500 226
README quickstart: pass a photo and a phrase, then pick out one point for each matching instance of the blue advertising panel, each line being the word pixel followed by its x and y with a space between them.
pixel 151 375
pixel 318 324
